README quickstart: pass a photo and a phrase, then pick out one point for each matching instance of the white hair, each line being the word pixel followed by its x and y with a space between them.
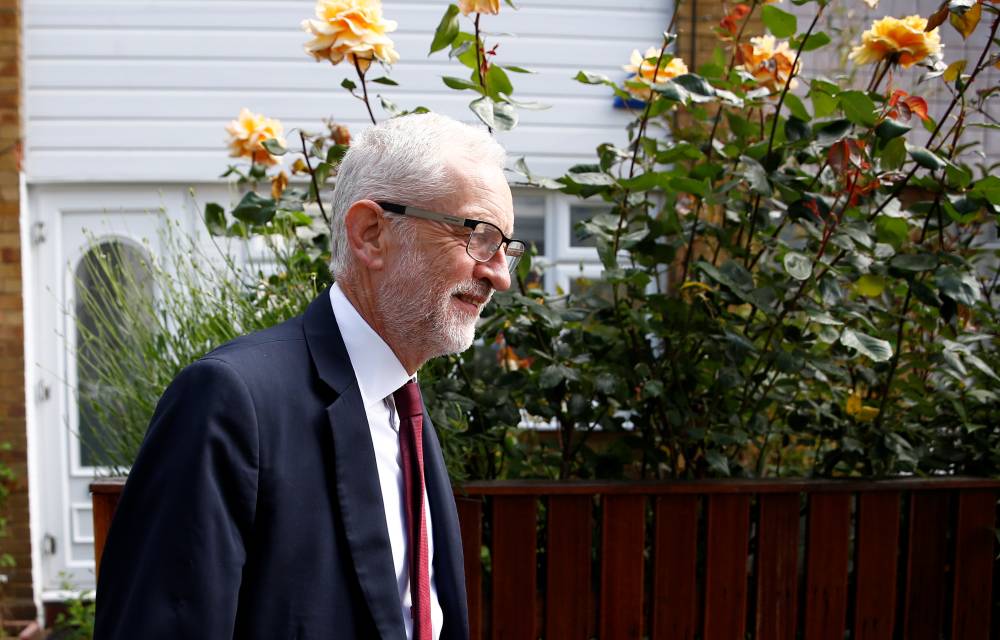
pixel 406 160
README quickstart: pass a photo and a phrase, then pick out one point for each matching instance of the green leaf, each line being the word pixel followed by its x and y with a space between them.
pixel 497 82
pixel 823 103
pixel 587 77
pixel 978 363
pixel 815 41
pixel 755 174
pixel 690 185
pixel 891 230
pixel 797 265
pixel 829 132
pixel 483 108
pixel 926 158
pixel 914 262
pixel 505 115
pixel 695 84
pixel 890 128
pixel 446 30
pixel 876 349
pixel 460 84
pixel 515 69
pixel 253 209
pixel 780 23
pixel 385 80
pixel 795 105
pixel 348 84
pixel 796 130
pixel 987 188
pixel 336 153
pixel 858 107
pixel 274 147
pixel 960 286
pixel 893 154
pixel 215 219
pixel 716 461
pixel 869 285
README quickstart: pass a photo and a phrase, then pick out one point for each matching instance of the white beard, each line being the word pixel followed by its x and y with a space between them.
pixel 420 310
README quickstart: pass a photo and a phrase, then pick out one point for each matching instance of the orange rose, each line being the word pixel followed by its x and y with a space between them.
pixel 351 29
pixel 903 41
pixel 479 6
pixel 769 61
pixel 649 73
pixel 247 134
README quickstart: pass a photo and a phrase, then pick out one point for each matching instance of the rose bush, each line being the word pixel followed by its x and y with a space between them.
pixel 791 285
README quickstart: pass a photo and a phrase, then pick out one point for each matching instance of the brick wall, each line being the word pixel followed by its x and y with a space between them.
pixel 18 591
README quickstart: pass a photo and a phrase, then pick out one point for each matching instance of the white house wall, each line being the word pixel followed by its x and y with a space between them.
pixel 141 91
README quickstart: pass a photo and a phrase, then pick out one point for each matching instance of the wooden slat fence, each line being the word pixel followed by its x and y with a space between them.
pixel 723 559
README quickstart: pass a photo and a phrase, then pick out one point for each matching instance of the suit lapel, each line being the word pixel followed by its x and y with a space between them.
pixel 356 474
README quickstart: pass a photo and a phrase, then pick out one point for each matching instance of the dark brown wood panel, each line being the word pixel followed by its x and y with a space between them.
pixel 726 570
pixel 777 566
pixel 568 596
pixel 877 556
pixel 514 590
pixel 623 528
pixel 675 554
pixel 104 499
pixel 711 487
pixel 470 519
pixel 826 566
pixel 926 565
pixel 974 542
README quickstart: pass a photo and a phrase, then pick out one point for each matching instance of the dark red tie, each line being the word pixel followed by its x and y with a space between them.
pixel 410 409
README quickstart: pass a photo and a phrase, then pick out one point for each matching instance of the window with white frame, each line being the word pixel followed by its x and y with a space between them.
pixel 550 221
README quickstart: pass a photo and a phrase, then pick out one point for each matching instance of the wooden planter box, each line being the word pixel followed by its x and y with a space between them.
pixel 911 558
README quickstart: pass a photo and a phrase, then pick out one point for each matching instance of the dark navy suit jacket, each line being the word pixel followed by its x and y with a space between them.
pixel 254 508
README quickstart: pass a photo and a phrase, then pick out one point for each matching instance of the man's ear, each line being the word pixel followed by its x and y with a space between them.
pixel 365 227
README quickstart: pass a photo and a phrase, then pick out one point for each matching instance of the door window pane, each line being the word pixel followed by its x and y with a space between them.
pixel 110 275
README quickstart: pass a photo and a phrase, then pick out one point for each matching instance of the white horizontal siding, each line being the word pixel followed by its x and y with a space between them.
pixel 141 91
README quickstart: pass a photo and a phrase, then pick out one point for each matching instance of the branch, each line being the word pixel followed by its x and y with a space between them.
pixel 312 176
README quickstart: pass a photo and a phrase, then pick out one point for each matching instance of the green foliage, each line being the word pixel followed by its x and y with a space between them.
pixel 783 292
pixel 77 622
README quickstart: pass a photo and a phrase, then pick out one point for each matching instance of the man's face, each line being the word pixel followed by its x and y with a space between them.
pixel 434 291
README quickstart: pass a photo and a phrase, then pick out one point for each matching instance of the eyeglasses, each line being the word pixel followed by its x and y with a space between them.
pixel 484 241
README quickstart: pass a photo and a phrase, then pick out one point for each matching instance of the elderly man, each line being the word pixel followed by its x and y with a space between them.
pixel 291 484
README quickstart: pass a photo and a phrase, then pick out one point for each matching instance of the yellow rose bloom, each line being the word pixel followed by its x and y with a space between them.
pixel 247 134
pixel 857 409
pixel 768 61
pixel 479 6
pixel 903 41
pixel 351 29
pixel 648 75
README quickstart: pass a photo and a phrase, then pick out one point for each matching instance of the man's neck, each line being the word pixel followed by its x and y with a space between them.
pixel 362 298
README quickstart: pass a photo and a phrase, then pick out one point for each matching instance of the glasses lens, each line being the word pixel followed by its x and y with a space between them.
pixel 515 249
pixel 484 241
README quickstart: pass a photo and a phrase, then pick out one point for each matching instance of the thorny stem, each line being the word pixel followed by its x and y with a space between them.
pixel 312 176
pixel 710 148
pixel 479 64
pixel 637 147
pixel 364 88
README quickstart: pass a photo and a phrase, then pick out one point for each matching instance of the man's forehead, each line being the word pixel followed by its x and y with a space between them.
pixel 482 193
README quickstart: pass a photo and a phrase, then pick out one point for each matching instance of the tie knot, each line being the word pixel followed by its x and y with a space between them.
pixel 408 402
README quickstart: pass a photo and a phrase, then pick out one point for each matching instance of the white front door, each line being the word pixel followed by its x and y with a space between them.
pixel 69 223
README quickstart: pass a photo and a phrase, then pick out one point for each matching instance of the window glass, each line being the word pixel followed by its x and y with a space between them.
pixel 529 221
pixel 108 274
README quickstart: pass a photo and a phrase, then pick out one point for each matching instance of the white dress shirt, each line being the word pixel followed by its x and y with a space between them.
pixel 379 374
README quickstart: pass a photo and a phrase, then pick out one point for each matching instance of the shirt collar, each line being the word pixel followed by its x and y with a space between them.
pixel 378 370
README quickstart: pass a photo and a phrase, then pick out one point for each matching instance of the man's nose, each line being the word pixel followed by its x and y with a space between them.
pixel 495 271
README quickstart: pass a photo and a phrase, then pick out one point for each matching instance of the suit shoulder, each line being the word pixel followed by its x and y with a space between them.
pixel 259 351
